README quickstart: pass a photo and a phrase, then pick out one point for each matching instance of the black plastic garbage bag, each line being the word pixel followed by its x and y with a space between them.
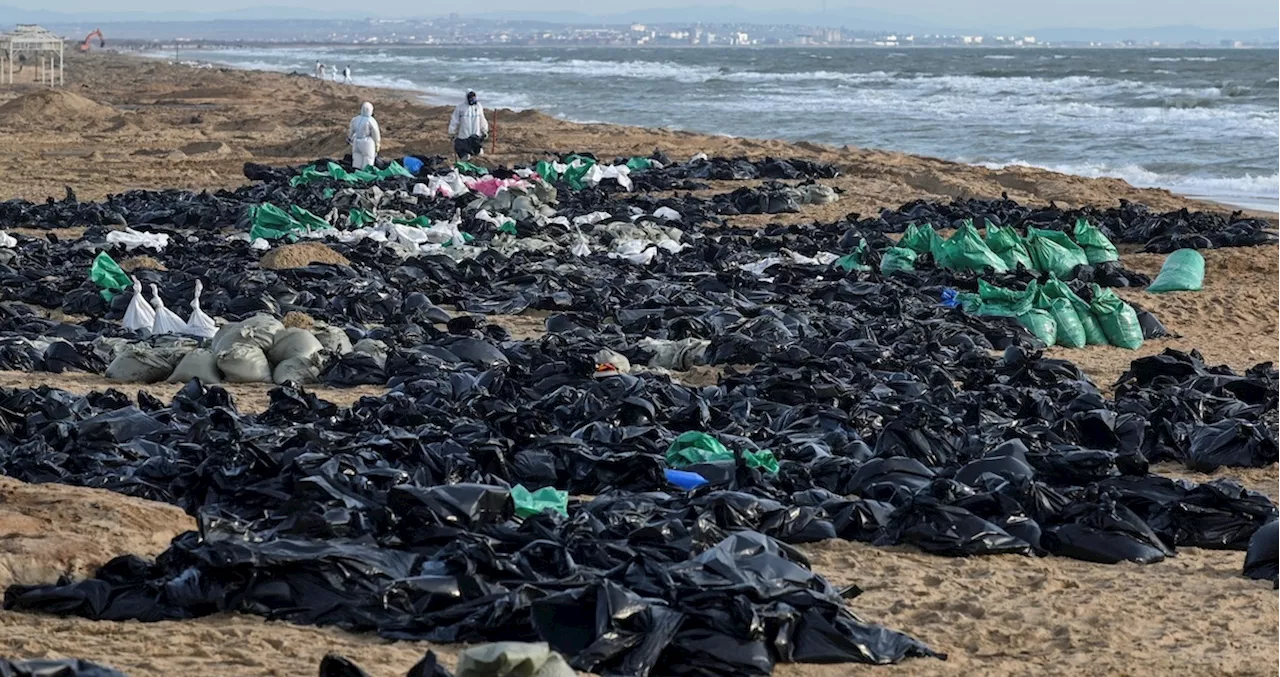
pixel 606 628
pixel 1232 443
pixel 949 530
pixel 1261 559
pixel 1107 532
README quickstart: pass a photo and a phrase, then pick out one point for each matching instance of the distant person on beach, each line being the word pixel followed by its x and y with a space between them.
pixel 365 137
pixel 319 72
pixel 346 75
pixel 322 71
pixel 469 128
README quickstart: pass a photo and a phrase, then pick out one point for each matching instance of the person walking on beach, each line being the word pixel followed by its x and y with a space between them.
pixel 469 128
pixel 346 75
pixel 365 137
pixel 319 73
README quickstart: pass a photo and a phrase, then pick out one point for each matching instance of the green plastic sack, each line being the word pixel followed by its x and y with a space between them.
pixel 1009 246
pixel 920 239
pixel 1070 330
pixel 896 259
pixel 1041 324
pixel 1097 248
pixel 394 169
pixel 966 251
pixel 359 217
pixel 106 273
pixel 530 503
pixel 1001 302
pixel 308 220
pixel 695 447
pixel 763 459
pixel 1053 252
pixel 547 171
pixel 419 221
pixel 853 260
pixel 639 164
pixel 1118 319
pixel 1183 270
pixel 468 168
pixel 578 168
pixel 271 222
pixel 1093 334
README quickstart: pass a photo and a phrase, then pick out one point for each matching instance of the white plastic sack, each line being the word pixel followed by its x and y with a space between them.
pixel 199 363
pixel 244 363
pixel 7 240
pixel 300 370
pixel 598 173
pixel 637 252
pixel 592 218
pixel 139 316
pixel 666 214
pixel 199 324
pixel 699 157
pixel 373 348
pixel 132 239
pixel 679 355
pixel 142 363
pixel 291 343
pixel 166 321
pixel 258 331
pixel 332 339
pixel 580 247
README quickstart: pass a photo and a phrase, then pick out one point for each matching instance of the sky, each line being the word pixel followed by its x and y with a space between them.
pixel 1236 14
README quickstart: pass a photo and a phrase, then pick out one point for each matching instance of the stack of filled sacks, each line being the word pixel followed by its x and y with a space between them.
pixel 1044 252
pixel 1057 315
pixel 258 350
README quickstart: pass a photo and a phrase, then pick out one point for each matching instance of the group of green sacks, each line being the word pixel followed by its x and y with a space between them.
pixel 577 166
pixel 1058 316
pixel 693 447
pixel 270 222
pixel 1002 249
pixel 335 171
pixel 690 448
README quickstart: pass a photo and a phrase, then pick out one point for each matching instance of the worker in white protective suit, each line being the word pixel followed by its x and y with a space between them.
pixel 468 127
pixel 365 137
pixel 346 75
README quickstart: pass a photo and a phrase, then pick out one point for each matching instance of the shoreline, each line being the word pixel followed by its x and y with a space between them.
pixel 1253 205
pixel 164 115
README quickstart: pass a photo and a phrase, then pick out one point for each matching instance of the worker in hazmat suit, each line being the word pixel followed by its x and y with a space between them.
pixel 468 127
pixel 365 137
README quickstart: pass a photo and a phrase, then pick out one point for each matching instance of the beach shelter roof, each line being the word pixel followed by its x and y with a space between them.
pixel 32 38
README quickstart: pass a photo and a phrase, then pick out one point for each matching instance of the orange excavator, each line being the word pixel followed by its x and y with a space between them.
pixel 102 40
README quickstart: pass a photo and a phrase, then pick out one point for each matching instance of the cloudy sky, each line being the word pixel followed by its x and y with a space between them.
pixel 1238 14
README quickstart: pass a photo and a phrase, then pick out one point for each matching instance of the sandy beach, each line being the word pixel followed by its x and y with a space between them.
pixel 125 122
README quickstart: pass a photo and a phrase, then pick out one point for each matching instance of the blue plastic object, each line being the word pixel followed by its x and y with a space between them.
pixel 950 298
pixel 412 164
pixel 684 479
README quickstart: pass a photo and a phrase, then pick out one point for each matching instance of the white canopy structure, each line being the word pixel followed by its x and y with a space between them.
pixel 30 38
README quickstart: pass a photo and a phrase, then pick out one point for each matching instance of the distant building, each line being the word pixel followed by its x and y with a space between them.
pixel 1030 39
pixel 739 38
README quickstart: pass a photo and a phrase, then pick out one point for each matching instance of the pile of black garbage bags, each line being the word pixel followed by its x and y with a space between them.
pixel 888 417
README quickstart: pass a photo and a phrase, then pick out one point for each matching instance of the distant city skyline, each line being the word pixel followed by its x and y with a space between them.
pixel 1007 15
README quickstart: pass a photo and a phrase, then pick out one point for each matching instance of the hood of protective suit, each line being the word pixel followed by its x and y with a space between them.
pixel 366 109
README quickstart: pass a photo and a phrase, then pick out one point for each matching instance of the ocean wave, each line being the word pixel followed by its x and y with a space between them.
pixel 1000 57
pixel 1255 191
